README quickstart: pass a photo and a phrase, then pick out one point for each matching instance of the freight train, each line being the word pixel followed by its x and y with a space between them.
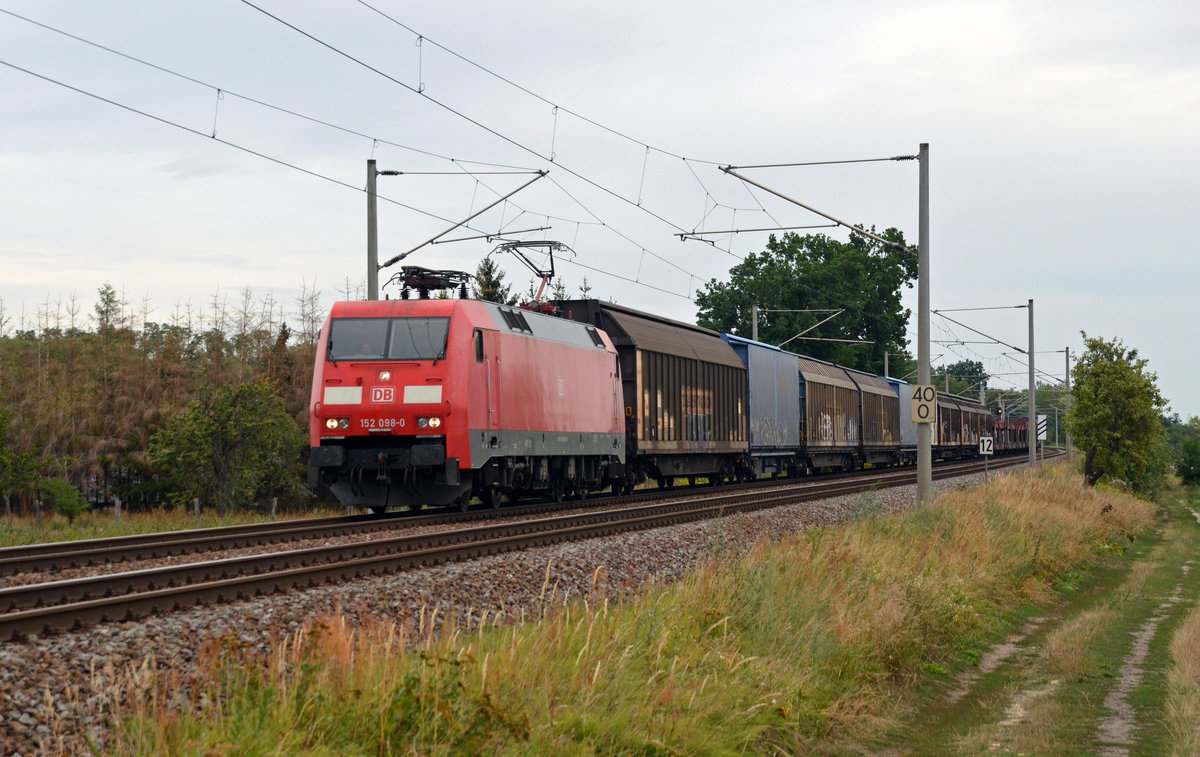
pixel 443 401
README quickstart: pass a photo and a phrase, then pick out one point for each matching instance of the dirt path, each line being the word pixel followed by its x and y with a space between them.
pixel 1116 732
pixel 1087 678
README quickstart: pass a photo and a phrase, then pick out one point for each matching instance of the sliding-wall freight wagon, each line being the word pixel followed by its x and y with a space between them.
pixel 684 390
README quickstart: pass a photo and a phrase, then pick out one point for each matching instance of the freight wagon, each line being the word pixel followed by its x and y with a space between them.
pixel 773 393
pixel 684 391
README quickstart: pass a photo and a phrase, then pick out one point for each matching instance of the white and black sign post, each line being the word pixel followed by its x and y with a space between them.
pixel 1041 434
pixel 986 450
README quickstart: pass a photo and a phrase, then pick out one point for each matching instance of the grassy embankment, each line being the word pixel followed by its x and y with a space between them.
pixel 1115 663
pixel 806 645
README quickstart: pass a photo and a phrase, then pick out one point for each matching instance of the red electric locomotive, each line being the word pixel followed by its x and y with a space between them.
pixel 437 401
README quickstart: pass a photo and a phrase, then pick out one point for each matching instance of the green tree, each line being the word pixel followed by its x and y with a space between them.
pixel 63 497
pixel 862 277
pixel 1188 467
pixel 489 283
pixel 109 309
pixel 558 290
pixel 18 470
pixel 965 377
pixel 1114 415
pixel 232 445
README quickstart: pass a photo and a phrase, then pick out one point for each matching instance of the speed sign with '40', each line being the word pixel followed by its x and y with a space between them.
pixel 924 403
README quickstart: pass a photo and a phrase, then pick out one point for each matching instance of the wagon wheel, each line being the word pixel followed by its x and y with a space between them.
pixel 581 491
pixel 558 491
pixel 492 497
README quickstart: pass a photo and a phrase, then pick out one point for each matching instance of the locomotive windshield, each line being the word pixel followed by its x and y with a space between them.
pixel 418 338
pixel 388 338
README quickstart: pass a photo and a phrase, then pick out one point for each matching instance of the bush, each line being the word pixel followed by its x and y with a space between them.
pixel 1189 463
pixel 64 498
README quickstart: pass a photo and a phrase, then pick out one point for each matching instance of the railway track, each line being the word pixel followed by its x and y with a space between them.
pixel 78 603
pixel 58 556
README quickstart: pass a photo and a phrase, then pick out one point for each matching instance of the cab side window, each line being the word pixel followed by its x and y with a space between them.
pixel 478 346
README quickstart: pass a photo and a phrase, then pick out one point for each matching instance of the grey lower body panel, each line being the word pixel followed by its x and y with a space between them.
pixel 487 444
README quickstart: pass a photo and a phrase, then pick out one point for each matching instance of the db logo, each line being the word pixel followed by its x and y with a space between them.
pixel 383 394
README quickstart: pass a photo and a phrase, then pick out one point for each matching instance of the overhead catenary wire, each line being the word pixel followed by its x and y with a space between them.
pixel 220 91
pixel 610 274
pixel 227 143
pixel 989 336
pixel 278 161
pixel 618 232
pixel 1006 357
pixel 691 234
pixel 828 162
pixel 557 107
pixel 460 163
pixel 262 103
pixel 476 122
pixel 462 223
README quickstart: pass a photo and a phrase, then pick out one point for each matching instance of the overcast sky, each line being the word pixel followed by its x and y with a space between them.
pixel 1063 151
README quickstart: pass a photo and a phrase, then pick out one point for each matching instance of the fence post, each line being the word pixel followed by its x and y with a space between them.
pixel 274 506
pixel 117 505
pixel 196 508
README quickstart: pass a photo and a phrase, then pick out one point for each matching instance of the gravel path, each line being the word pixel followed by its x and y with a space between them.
pixel 54 691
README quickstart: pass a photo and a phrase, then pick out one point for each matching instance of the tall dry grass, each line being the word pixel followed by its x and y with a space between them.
pixel 802 644
pixel 1183 689
pixel 1064 652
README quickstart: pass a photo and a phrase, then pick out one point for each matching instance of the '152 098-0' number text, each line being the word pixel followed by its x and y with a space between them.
pixel 381 422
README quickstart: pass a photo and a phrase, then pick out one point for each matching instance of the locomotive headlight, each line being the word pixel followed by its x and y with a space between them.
pixel 423 422
pixel 385 375
pixel 331 424
pixel 343 423
pixel 435 422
